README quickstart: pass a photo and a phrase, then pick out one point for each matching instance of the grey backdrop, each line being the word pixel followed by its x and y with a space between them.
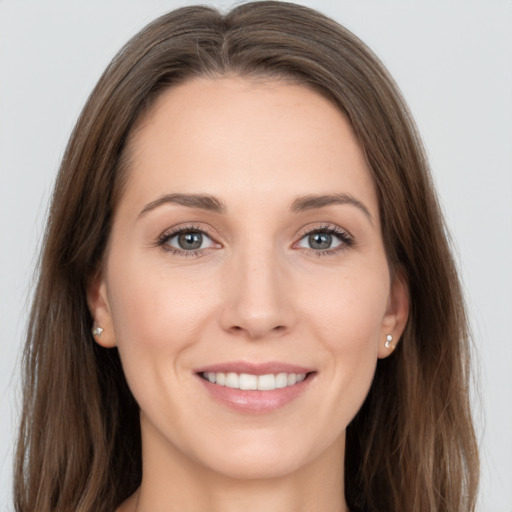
pixel 452 60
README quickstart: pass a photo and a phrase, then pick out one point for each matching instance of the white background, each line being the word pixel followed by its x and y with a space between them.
pixel 453 62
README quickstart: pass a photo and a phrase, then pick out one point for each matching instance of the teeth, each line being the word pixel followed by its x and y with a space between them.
pixel 281 380
pixel 267 382
pixel 232 380
pixel 247 381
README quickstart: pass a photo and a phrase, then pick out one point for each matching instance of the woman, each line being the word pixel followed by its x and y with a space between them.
pixel 246 295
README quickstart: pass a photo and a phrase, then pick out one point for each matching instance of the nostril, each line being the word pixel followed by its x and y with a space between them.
pixel 257 331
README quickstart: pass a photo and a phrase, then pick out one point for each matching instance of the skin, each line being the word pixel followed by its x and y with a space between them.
pixel 257 291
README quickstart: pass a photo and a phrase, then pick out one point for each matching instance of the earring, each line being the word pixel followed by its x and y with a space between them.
pixel 97 331
pixel 389 339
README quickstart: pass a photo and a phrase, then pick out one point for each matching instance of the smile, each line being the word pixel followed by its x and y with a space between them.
pixel 255 388
pixel 247 381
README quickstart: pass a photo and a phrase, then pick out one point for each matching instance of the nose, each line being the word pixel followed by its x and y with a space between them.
pixel 257 297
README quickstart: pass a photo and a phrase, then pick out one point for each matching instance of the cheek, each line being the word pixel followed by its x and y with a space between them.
pixel 149 308
pixel 349 311
pixel 347 318
pixel 156 320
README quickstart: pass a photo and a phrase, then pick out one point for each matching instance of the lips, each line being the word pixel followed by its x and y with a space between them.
pixel 255 388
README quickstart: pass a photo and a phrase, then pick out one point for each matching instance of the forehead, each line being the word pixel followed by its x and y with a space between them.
pixel 235 136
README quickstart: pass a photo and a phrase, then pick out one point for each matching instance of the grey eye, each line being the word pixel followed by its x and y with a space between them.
pixel 321 241
pixel 190 241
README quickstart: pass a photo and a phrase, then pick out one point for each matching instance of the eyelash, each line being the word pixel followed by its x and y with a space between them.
pixel 165 237
pixel 346 239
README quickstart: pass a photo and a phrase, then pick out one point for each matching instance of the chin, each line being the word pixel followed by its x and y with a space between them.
pixel 258 467
pixel 269 457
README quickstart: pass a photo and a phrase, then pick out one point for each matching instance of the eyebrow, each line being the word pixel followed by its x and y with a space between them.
pixel 310 202
pixel 201 201
pixel 300 204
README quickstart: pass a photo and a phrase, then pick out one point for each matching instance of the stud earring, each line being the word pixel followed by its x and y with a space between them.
pixel 97 331
pixel 389 339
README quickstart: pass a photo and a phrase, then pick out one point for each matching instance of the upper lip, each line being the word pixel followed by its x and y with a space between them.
pixel 253 368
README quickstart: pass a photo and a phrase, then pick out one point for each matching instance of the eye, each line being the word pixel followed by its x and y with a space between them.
pixel 187 240
pixel 325 239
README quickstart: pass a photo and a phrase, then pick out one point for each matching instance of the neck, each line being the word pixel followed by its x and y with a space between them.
pixel 173 482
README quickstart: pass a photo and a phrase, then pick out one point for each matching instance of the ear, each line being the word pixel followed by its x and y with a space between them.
pixel 99 306
pixel 395 319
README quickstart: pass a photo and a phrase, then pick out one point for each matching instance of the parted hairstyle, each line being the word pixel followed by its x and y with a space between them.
pixel 411 447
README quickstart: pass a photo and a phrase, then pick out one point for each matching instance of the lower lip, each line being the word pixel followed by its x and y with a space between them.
pixel 255 401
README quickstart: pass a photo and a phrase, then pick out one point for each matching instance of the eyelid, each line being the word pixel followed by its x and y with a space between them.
pixel 346 238
pixel 170 233
pixel 322 226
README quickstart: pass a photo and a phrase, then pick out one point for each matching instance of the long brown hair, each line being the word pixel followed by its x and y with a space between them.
pixel 412 446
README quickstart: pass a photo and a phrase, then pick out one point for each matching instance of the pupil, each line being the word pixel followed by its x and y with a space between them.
pixel 190 241
pixel 320 240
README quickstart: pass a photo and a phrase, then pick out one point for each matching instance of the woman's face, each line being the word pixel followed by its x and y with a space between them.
pixel 246 249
